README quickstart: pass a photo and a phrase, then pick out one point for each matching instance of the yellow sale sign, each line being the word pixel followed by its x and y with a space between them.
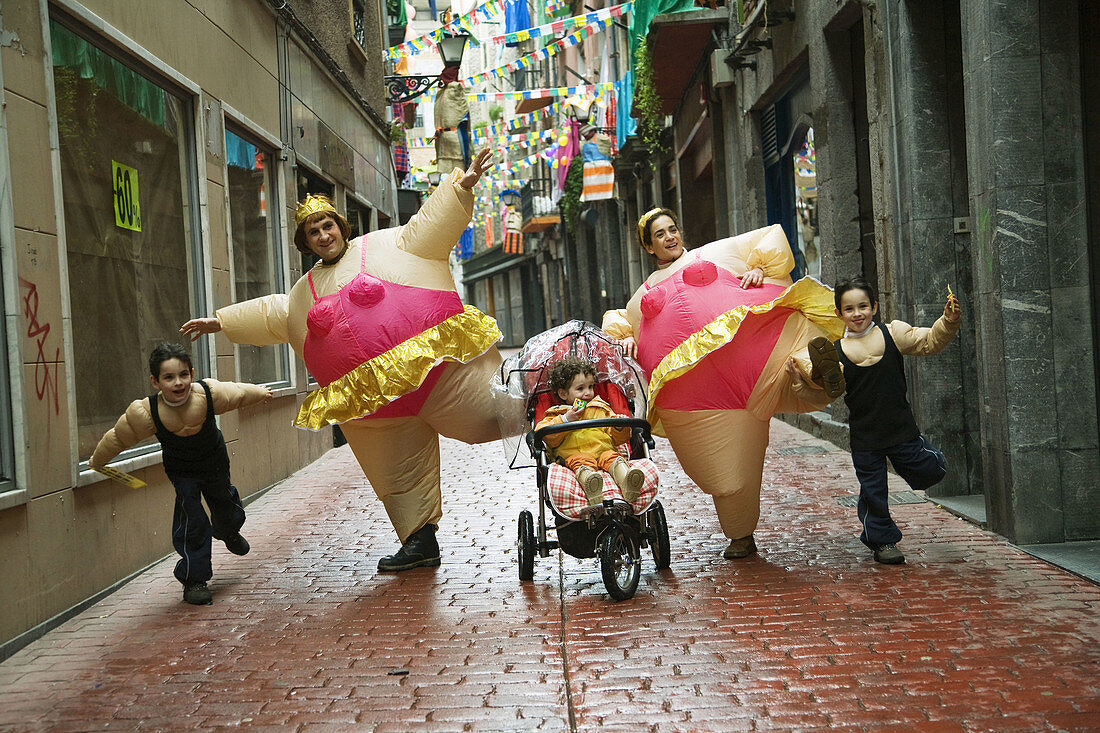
pixel 127 210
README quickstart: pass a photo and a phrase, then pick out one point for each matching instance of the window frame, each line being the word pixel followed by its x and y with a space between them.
pixel 113 42
pixel 237 123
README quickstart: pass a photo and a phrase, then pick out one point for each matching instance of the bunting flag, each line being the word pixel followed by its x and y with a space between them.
pixel 548 51
pixel 464 23
pixel 560 26
pixel 585 90
pixel 502 141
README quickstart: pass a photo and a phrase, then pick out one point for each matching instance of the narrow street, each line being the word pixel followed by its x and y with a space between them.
pixel 970 635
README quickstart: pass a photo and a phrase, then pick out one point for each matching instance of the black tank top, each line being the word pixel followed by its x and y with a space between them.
pixel 201 454
pixel 876 398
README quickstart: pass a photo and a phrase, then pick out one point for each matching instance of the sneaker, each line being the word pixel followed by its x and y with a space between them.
pixel 237 545
pixel 826 367
pixel 419 551
pixel 888 554
pixel 197 594
pixel 740 548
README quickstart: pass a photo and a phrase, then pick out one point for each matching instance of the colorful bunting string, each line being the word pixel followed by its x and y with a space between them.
pixel 560 26
pixel 583 90
pixel 465 22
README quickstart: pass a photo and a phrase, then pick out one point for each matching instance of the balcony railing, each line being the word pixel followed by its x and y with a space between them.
pixel 536 205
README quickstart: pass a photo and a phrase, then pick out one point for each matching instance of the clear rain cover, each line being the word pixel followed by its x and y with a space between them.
pixel 522 378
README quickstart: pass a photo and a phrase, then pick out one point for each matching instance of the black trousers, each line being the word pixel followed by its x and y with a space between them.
pixel 192 530
pixel 917 461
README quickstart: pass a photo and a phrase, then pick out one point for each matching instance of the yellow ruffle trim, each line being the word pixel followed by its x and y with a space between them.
pixel 400 370
pixel 809 296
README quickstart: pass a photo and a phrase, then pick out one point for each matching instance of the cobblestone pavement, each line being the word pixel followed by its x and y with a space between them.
pixel 971 634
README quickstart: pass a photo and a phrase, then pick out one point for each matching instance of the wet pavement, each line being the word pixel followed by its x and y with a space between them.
pixel 971 634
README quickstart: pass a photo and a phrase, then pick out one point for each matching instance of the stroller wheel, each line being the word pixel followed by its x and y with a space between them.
pixel 658 535
pixel 526 546
pixel 620 563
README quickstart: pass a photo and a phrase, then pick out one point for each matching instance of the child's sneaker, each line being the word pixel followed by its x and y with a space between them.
pixel 826 366
pixel 592 483
pixel 237 544
pixel 197 594
pixel 628 478
pixel 888 554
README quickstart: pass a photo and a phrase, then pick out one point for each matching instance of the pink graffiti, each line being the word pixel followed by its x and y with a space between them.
pixel 45 378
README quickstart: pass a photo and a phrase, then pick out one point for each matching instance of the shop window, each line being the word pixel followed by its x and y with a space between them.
pixel 358 217
pixel 128 179
pixel 254 242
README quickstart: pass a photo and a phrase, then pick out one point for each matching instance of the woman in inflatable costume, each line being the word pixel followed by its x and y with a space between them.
pixel 715 329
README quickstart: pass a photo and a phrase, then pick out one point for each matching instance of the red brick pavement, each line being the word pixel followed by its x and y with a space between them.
pixel 970 635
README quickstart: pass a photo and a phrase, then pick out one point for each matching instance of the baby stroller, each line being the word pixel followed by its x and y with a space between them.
pixel 616 531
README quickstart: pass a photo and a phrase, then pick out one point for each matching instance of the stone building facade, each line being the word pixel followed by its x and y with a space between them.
pixel 921 144
pixel 151 155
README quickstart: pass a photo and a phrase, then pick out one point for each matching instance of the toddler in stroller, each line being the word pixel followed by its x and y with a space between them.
pixel 626 515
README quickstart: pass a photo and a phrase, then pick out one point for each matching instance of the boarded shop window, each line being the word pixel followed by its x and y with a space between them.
pixel 127 178
pixel 257 266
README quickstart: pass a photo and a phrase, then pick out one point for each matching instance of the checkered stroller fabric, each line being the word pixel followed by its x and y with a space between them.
pixel 568 498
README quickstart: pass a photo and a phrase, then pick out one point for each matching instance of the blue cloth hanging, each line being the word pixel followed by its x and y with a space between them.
pixel 516 18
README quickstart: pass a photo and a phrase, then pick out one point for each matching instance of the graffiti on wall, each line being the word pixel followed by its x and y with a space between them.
pixel 45 370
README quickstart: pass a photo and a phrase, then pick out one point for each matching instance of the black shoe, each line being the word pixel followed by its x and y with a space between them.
pixel 888 554
pixel 197 594
pixel 826 366
pixel 237 545
pixel 419 551
pixel 740 548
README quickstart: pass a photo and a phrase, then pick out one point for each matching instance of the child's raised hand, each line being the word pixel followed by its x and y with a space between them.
pixel 267 395
pixel 571 414
pixel 952 312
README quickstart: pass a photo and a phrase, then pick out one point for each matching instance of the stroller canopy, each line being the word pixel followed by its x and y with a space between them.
pixel 522 378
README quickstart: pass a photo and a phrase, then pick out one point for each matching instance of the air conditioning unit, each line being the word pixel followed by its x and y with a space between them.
pixel 721 75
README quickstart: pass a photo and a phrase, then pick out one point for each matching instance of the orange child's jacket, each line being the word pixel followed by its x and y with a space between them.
pixel 591 442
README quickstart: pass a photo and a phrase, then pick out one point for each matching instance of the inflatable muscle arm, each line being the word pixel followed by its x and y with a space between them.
pixel 434 230
pixel 134 426
pixel 923 341
pixel 260 321
pixel 233 395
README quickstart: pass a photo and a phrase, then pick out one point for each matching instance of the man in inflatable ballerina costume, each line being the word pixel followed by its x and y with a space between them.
pixel 399 359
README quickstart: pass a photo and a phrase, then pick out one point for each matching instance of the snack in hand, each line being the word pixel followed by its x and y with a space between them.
pixel 579 404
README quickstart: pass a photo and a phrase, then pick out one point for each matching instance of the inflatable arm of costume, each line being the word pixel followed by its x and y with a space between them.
pixel 616 325
pixel 765 248
pixel 919 341
pixel 434 230
pixel 134 426
pixel 233 395
pixel 260 321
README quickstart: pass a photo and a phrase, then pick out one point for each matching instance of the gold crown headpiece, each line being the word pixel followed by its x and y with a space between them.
pixel 312 204
pixel 648 217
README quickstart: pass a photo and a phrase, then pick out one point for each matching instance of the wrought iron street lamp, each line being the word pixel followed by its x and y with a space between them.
pixel 509 197
pixel 404 88
pixel 434 177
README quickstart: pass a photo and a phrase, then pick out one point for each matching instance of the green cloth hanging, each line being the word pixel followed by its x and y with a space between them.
pixel 111 75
